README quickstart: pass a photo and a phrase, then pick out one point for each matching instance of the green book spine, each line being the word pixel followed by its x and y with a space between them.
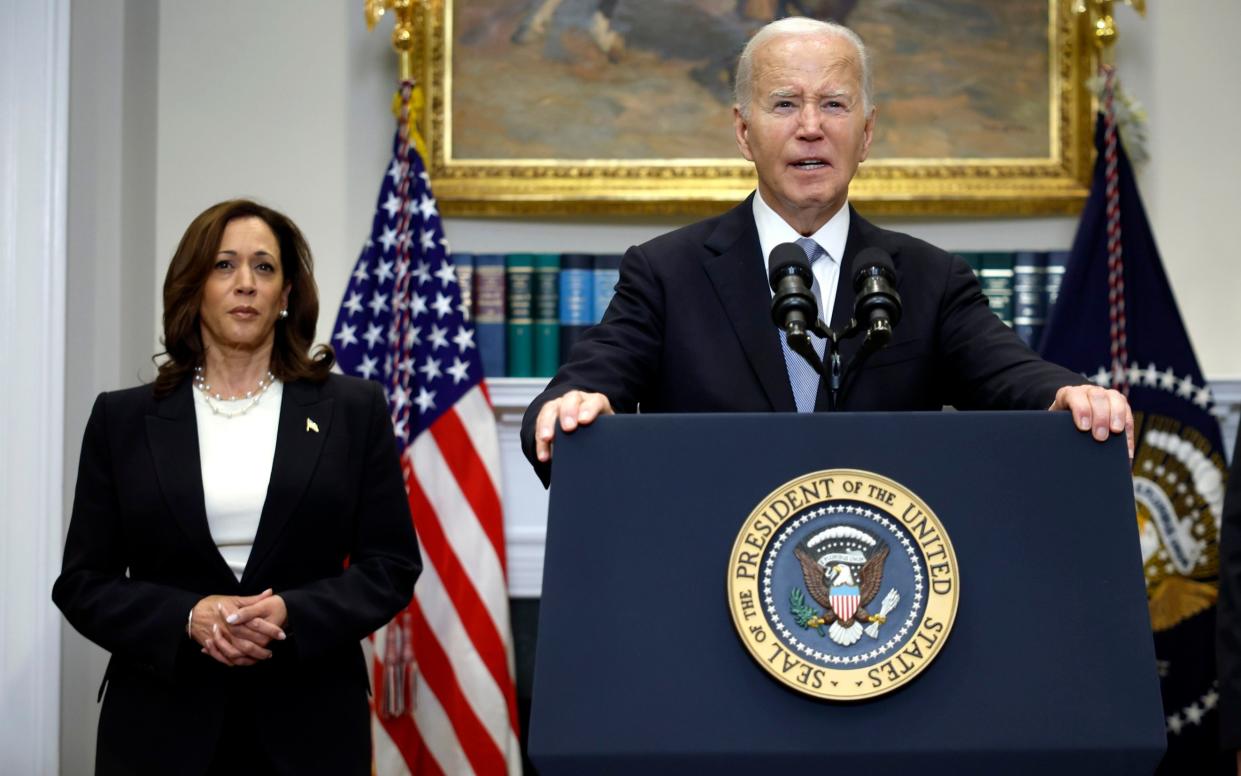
pixel 546 314
pixel 997 283
pixel 519 286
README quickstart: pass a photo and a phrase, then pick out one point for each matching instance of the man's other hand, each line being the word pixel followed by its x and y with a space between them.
pixel 1101 411
pixel 575 408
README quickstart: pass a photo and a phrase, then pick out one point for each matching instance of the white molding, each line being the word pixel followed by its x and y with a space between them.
pixel 34 100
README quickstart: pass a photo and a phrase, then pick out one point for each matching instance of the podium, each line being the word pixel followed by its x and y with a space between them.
pixel 1049 666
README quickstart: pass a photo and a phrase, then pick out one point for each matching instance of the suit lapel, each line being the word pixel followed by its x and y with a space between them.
pixel 298 447
pixel 735 267
pixel 172 433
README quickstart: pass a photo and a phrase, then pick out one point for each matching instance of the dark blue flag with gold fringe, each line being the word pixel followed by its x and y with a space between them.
pixel 1117 323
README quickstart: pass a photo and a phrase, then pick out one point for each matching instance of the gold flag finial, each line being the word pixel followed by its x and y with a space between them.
pixel 1103 24
pixel 402 32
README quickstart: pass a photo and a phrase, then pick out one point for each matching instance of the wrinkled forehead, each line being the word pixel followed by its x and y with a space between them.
pixel 814 59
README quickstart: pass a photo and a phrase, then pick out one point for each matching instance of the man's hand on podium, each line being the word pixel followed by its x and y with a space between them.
pixel 573 409
pixel 1102 411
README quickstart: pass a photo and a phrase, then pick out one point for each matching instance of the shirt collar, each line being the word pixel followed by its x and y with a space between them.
pixel 774 230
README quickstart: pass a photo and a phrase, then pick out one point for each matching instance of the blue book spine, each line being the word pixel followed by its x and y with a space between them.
pixel 576 298
pixel 489 294
pixel 607 272
pixel 1030 296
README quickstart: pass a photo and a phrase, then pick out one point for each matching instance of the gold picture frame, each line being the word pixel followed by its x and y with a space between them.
pixel 1055 182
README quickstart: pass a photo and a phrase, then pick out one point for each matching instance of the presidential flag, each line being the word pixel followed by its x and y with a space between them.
pixel 443 669
pixel 1116 322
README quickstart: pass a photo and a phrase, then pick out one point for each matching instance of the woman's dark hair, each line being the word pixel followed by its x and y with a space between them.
pixel 183 290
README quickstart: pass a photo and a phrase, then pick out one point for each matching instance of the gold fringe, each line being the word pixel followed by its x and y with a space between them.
pixel 416 104
pixel 1176 599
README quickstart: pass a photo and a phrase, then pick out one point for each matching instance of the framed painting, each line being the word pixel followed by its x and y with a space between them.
pixel 561 107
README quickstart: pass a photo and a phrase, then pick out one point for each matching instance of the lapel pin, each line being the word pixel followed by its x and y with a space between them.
pixel 312 426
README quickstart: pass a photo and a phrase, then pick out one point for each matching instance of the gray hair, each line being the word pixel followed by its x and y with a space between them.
pixel 796 25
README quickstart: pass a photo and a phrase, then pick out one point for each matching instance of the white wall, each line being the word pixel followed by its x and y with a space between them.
pixel 288 101
pixel 34 101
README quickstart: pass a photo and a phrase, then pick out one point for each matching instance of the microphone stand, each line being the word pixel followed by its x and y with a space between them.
pixel 799 343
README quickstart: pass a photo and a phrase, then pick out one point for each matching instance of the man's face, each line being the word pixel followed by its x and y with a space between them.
pixel 807 129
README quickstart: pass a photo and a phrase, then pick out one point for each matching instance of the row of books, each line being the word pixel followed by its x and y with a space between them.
pixel 1021 287
pixel 529 308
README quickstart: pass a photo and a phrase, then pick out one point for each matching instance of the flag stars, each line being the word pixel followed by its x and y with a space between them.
pixel 443 305
pixel 419 303
pixel 438 337
pixel 378 303
pixel 1152 374
pixel 1203 399
pixel 1102 377
pixel 388 238
pixel 422 273
pixel 399 398
pixel 426 239
pixel 374 333
pixel 464 339
pixel 347 335
pixel 401 428
pixel 446 274
pixel 425 400
pixel 413 336
pixel 396 171
pixel 368 367
pixel 354 303
pixel 1135 374
pixel 1186 388
pixel 459 370
pixel 1167 380
pixel 359 272
pixel 427 206
pixel 384 270
pixel 392 204
pixel 431 369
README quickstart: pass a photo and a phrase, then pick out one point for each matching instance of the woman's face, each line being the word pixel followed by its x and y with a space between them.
pixel 245 290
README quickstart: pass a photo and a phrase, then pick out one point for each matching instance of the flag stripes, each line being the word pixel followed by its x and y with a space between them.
pixel 484 635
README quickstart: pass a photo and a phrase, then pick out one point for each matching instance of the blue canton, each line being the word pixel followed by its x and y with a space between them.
pixel 402 321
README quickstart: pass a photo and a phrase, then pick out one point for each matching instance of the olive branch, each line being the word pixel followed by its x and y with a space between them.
pixel 802 613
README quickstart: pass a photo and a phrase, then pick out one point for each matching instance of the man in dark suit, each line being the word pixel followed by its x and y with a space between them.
pixel 690 328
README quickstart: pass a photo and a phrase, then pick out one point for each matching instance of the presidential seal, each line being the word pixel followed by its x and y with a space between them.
pixel 843 584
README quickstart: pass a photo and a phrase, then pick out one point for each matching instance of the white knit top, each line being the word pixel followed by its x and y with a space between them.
pixel 237 455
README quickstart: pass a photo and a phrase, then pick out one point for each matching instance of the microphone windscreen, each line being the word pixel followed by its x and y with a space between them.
pixel 870 261
pixel 786 259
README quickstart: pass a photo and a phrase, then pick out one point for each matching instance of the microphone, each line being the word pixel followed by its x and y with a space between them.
pixel 793 308
pixel 878 306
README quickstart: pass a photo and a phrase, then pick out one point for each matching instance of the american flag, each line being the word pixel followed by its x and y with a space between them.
pixel 443 669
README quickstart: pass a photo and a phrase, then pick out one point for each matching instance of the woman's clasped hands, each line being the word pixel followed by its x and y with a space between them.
pixel 235 630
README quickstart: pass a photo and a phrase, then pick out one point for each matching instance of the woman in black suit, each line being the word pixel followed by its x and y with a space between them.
pixel 239 525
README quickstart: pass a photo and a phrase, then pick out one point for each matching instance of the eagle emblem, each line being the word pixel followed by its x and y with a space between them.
pixel 842 567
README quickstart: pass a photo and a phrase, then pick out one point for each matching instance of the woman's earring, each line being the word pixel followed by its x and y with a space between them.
pixel 284 313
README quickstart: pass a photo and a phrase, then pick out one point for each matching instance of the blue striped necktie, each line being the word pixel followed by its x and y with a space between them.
pixel 802 377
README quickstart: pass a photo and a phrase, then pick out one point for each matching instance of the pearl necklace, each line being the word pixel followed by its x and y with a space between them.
pixel 200 382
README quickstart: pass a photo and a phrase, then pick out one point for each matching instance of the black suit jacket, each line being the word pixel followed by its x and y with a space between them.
pixel 139 555
pixel 690 330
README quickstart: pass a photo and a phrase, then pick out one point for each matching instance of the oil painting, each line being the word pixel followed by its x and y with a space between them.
pixel 627 105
